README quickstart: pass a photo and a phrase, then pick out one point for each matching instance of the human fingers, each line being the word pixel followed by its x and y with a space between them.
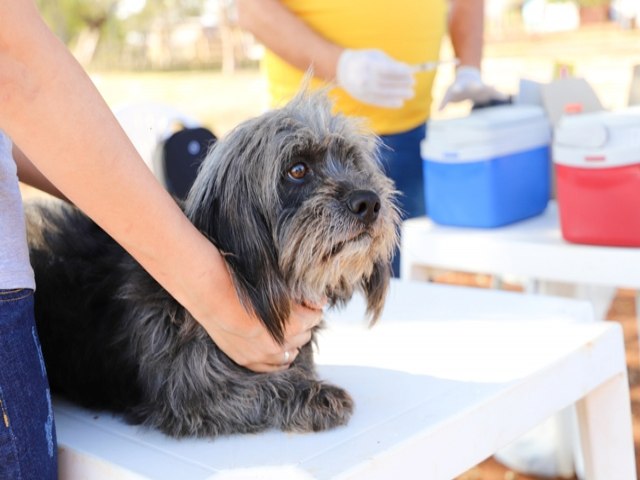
pixel 287 358
pixel 280 362
pixel 373 77
pixel 303 318
pixel 255 349
pixel 390 84
pixel 393 74
pixel 389 97
pixel 468 85
pixel 276 361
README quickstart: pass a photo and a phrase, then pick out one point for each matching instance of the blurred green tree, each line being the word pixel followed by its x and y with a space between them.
pixel 143 34
pixel 79 23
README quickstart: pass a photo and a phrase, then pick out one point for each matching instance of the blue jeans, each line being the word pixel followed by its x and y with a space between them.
pixel 403 164
pixel 27 431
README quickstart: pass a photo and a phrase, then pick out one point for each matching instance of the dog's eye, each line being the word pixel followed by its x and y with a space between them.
pixel 298 171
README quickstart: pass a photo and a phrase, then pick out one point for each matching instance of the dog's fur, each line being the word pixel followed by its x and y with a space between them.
pixel 114 339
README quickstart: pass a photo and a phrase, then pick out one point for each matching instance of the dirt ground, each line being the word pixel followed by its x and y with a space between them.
pixel 604 55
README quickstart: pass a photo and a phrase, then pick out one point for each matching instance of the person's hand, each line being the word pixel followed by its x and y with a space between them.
pixel 373 77
pixel 468 85
pixel 244 339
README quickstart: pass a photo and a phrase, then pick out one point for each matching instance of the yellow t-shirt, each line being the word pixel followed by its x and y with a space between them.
pixel 410 31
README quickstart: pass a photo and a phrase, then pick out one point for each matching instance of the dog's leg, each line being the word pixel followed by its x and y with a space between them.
pixel 228 399
pixel 308 404
pixel 316 406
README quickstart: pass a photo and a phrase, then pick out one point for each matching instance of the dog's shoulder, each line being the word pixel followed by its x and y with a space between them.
pixel 61 230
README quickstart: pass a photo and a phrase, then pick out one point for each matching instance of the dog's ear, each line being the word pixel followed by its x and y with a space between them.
pixel 254 266
pixel 375 289
pixel 225 206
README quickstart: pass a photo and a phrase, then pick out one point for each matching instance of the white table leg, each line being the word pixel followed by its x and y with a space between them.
pixel 549 450
pixel 545 451
pixel 604 419
pixel 600 296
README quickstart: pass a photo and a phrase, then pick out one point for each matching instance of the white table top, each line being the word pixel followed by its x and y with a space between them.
pixel 442 362
pixel 532 248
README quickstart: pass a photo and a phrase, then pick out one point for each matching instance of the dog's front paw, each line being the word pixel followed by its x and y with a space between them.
pixel 320 407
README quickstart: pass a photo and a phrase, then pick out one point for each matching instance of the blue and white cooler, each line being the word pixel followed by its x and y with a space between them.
pixel 488 169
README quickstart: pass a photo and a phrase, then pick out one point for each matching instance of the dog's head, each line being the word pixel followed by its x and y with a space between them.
pixel 298 203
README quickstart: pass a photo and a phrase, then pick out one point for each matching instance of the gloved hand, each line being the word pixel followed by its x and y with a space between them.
pixel 468 85
pixel 373 77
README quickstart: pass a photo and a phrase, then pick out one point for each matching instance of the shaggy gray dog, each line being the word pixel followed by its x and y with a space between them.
pixel 296 201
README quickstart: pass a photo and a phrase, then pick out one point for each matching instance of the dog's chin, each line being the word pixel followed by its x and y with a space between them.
pixel 344 268
pixel 356 244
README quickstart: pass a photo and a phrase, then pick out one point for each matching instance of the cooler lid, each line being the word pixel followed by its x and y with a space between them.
pixel 598 139
pixel 487 133
pixel 486 124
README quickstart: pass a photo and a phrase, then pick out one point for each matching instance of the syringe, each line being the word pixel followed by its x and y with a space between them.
pixel 428 66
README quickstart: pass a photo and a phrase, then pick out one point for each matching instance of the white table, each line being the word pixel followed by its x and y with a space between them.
pixel 532 248
pixel 447 377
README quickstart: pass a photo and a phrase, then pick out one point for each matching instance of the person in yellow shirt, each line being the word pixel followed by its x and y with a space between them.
pixel 370 50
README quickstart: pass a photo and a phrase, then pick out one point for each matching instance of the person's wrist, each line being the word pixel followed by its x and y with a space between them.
pixel 229 314
pixel 327 65
pixel 343 67
pixel 469 72
pixel 210 295
pixel 323 60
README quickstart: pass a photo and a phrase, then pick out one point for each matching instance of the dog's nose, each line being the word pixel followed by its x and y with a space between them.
pixel 365 205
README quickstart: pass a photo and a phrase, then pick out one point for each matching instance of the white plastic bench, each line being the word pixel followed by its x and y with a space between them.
pixel 449 376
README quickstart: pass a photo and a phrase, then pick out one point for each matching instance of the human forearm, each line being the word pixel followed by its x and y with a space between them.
pixel 466 26
pixel 88 159
pixel 466 29
pixel 289 37
pixel 50 107
pixel 30 175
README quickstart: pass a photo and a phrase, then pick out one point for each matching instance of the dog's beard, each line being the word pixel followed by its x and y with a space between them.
pixel 326 253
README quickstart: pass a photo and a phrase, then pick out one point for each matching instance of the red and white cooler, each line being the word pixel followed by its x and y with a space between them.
pixel 597 161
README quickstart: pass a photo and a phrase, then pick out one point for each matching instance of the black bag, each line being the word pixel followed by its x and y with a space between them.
pixel 179 157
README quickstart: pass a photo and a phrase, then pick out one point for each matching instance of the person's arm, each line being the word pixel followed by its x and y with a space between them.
pixel 370 75
pixel 30 175
pixel 290 38
pixel 466 30
pixel 50 107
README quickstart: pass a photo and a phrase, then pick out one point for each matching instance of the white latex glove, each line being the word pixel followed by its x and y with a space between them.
pixel 468 85
pixel 373 77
